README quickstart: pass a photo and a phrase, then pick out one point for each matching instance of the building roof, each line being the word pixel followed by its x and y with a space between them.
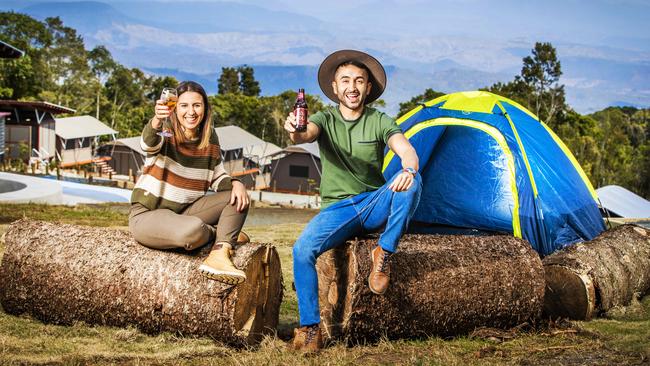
pixel 131 142
pixel 262 154
pixel 623 203
pixel 233 138
pixel 9 51
pixel 310 148
pixel 81 126
pixel 42 106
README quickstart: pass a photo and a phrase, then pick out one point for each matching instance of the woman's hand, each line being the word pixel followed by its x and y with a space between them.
pixel 239 196
pixel 161 112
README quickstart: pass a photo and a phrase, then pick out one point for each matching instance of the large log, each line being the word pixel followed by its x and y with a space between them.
pixel 66 273
pixel 589 278
pixel 440 285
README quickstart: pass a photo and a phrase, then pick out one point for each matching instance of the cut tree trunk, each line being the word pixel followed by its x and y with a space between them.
pixel 440 285
pixel 65 273
pixel 589 278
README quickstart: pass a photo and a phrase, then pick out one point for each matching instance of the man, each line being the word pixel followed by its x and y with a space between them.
pixel 355 197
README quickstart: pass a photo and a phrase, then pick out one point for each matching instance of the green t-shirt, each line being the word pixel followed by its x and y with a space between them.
pixel 351 152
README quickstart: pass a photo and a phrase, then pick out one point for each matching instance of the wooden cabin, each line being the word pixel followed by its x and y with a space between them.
pixel 77 139
pixel 30 127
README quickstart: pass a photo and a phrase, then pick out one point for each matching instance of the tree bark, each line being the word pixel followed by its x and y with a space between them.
pixel 65 273
pixel 589 278
pixel 440 285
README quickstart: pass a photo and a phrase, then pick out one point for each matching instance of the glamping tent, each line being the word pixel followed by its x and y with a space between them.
pixel 489 164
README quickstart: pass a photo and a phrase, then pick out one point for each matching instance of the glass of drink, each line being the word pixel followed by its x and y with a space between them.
pixel 169 97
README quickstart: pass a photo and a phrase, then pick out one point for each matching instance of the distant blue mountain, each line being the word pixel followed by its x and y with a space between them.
pixel 285 48
pixel 219 16
pixel 84 16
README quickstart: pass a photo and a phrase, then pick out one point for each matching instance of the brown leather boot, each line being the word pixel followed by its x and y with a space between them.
pixel 243 238
pixel 380 273
pixel 307 339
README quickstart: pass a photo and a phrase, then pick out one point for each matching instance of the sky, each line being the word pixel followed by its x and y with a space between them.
pixel 604 45
pixel 591 21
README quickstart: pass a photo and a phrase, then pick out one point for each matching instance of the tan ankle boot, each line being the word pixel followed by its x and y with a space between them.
pixel 218 266
pixel 380 273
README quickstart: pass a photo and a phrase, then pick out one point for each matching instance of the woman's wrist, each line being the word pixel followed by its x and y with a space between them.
pixel 156 123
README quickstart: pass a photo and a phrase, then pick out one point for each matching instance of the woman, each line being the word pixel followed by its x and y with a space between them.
pixel 170 208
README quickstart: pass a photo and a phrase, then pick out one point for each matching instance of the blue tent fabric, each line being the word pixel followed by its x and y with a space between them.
pixel 489 164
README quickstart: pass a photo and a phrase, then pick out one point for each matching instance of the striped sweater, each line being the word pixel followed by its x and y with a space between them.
pixel 177 174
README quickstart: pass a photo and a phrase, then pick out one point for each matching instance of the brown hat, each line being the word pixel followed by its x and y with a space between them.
pixel 332 62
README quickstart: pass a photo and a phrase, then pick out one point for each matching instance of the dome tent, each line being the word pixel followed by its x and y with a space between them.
pixel 487 163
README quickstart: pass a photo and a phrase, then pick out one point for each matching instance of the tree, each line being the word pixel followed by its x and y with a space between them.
pixel 541 73
pixel 101 64
pixel 228 81
pixel 429 94
pixel 29 75
pixel 247 83
pixel 537 87
pixel 66 58
pixel 581 135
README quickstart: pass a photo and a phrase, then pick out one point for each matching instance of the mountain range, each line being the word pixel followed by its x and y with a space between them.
pixel 195 39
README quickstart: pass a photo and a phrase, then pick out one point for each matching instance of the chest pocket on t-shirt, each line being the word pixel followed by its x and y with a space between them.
pixel 369 152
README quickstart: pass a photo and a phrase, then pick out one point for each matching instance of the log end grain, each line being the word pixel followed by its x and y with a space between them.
pixel 568 294
pixel 592 277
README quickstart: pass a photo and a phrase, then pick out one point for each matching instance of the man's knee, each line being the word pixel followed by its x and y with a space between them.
pixel 303 252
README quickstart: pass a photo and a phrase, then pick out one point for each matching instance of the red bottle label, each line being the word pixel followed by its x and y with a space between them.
pixel 301 118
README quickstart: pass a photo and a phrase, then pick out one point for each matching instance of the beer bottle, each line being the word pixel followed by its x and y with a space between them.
pixel 300 111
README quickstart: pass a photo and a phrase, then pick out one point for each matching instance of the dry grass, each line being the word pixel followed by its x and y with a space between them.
pixel 623 338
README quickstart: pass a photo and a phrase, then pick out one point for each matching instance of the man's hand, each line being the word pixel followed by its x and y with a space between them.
pixel 402 182
pixel 239 196
pixel 290 123
pixel 296 137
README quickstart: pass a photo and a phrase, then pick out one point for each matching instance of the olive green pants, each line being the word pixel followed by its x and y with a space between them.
pixel 208 218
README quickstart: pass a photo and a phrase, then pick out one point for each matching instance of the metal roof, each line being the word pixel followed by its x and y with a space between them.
pixel 233 138
pixel 42 106
pixel 623 202
pixel 81 126
pixel 9 51
pixel 261 154
pixel 310 148
pixel 131 142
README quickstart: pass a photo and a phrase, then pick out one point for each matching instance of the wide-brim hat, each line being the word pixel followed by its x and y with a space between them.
pixel 328 68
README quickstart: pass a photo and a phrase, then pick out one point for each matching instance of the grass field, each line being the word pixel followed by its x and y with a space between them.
pixel 621 338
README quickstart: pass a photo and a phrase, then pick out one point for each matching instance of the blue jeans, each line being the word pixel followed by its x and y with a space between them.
pixel 365 212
